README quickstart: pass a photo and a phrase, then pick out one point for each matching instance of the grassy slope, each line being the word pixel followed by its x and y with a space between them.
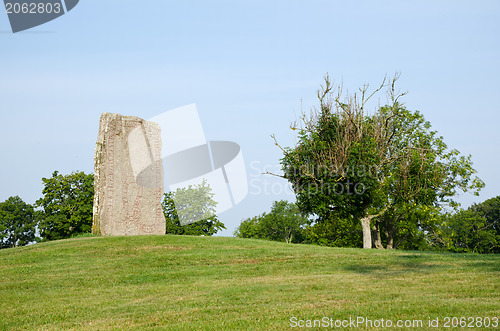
pixel 181 282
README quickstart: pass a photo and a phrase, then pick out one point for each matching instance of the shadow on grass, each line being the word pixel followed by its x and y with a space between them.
pixel 398 264
pixel 485 265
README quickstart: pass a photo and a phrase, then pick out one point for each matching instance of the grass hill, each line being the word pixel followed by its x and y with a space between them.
pixel 184 283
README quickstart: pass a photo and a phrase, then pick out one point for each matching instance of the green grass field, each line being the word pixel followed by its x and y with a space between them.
pixel 215 283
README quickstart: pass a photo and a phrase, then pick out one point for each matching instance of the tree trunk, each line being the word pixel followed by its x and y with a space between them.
pixel 367 233
pixel 378 238
pixel 390 239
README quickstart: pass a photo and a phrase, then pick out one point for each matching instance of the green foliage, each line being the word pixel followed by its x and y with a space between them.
pixel 409 226
pixel 66 206
pixel 283 223
pixel 249 228
pixel 336 232
pixel 387 167
pixel 17 223
pixel 187 204
pixel 476 229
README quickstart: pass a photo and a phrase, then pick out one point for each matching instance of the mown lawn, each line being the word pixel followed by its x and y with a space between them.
pixel 215 283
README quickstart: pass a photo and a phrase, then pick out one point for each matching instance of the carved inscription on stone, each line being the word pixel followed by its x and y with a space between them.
pixel 128 177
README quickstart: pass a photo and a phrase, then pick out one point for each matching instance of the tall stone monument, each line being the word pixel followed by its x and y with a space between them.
pixel 128 177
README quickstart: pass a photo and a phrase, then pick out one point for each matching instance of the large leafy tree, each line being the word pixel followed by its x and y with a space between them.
pixel 191 211
pixel 66 205
pixel 284 222
pixel 17 223
pixel 348 163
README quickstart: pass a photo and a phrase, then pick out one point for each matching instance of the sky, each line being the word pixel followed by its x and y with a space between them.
pixel 251 68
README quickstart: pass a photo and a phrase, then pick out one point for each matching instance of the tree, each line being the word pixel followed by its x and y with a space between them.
pixel 283 223
pixel 250 228
pixel 67 205
pixel 476 229
pixel 194 203
pixel 17 223
pixel 348 163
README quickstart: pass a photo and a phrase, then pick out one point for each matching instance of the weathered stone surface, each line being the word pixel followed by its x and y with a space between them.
pixel 128 177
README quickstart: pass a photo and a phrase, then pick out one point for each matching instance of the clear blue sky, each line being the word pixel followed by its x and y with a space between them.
pixel 249 66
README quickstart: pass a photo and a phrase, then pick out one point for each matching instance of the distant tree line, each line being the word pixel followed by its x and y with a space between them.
pixel 65 211
pixel 283 223
pixel 66 208
pixel 475 229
